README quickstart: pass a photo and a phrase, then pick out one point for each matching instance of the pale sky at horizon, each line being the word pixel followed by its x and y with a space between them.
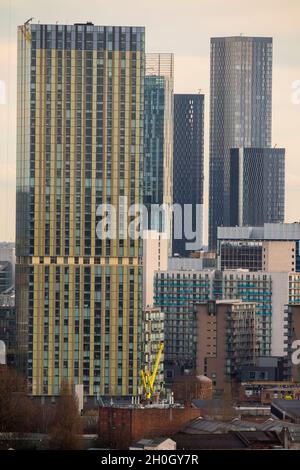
pixel 183 27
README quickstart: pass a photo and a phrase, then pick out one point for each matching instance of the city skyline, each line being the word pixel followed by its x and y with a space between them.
pixel 150 228
pixel 191 69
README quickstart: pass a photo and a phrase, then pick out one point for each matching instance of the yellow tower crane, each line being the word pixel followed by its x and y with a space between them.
pixel 147 379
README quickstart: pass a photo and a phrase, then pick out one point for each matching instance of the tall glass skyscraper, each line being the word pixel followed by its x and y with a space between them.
pixel 240 112
pixel 80 144
pixel 257 183
pixel 188 160
pixel 158 130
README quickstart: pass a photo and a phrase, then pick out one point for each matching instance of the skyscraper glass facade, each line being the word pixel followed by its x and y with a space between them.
pixel 154 139
pixel 158 132
pixel 80 144
pixel 257 186
pixel 240 112
pixel 188 160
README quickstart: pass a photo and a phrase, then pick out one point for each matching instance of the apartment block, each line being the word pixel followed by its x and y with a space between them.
pixel 176 293
pixel 79 146
pixel 226 339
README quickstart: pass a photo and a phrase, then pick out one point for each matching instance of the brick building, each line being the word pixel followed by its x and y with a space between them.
pixel 120 427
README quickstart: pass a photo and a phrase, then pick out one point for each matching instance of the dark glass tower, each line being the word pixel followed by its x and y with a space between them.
pixel 240 112
pixel 188 160
pixel 80 144
pixel 257 186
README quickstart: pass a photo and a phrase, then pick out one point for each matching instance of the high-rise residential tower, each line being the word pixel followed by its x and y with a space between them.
pixel 80 145
pixel 158 132
pixel 257 183
pixel 240 112
pixel 226 339
pixel 188 160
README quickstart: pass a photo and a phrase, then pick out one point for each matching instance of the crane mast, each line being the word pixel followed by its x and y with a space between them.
pixel 147 379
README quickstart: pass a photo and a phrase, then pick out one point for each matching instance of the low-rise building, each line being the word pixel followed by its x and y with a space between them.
pixel 287 410
pixel 233 440
pixel 190 386
pixel 267 368
pixel 120 427
pixel 265 392
pixel 160 443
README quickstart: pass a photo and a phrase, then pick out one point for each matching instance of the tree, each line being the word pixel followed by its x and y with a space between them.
pixel 66 430
pixel 17 411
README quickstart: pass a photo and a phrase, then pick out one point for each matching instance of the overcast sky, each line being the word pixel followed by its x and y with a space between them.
pixel 180 26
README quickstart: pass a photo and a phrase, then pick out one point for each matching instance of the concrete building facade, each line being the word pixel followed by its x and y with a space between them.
pixel 226 339
pixel 254 248
pixel 155 258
